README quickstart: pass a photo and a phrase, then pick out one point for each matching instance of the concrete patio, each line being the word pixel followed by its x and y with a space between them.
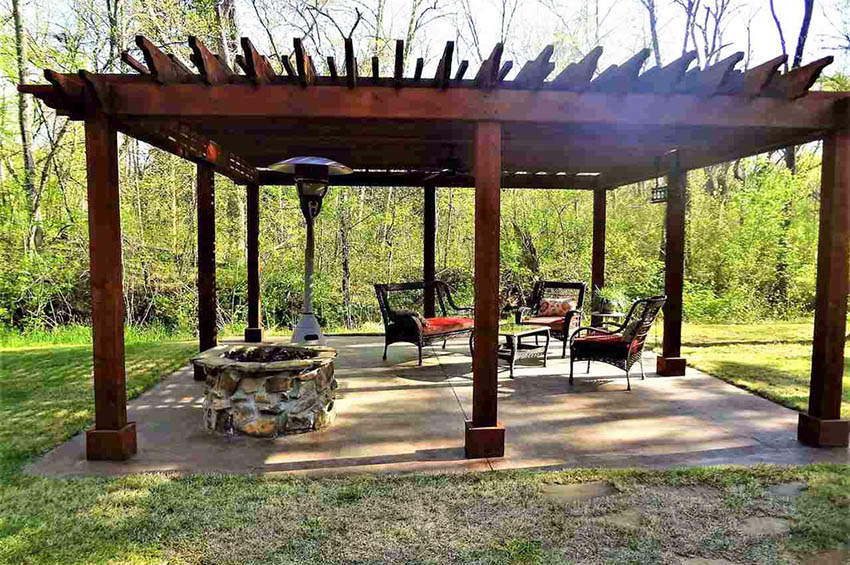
pixel 394 416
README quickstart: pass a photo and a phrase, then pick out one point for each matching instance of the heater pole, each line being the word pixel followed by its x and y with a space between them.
pixel 309 252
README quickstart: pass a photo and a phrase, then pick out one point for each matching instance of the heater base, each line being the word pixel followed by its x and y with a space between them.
pixel 308 331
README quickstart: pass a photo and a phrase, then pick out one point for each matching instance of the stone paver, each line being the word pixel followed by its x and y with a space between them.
pixel 579 491
pixel 759 526
pixel 395 416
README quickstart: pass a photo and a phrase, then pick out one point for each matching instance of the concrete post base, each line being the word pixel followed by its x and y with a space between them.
pixel 111 445
pixel 670 366
pixel 253 335
pixel 485 441
pixel 823 433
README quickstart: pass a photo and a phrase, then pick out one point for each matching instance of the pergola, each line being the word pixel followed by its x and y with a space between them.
pixel 579 130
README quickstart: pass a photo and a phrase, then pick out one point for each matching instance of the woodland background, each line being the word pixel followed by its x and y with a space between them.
pixel 752 224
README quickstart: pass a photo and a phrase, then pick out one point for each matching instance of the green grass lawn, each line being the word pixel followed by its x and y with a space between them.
pixel 771 360
pixel 651 517
pixel 46 392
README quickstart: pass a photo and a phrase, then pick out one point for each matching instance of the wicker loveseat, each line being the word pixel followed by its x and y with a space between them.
pixel 403 325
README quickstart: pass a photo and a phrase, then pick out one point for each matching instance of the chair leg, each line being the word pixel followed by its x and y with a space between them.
pixel 588 365
pixel 628 382
pixel 642 374
pixel 444 344
pixel 385 350
pixel 572 361
pixel 420 354
pixel 564 351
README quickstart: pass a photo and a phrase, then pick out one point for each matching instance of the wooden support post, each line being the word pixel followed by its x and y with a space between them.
pixel 254 331
pixel 823 426
pixel 113 437
pixel 207 303
pixel 429 244
pixel 597 268
pixel 485 436
pixel 671 363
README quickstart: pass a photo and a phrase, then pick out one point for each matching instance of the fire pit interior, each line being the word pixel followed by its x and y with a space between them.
pixel 266 390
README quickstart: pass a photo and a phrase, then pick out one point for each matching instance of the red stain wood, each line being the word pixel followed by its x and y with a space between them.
pixel 429 241
pixel 488 168
pixel 207 302
pixel 831 302
pixel 675 259
pixel 107 300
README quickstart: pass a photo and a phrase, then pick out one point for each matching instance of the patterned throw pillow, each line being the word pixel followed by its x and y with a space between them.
pixel 556 306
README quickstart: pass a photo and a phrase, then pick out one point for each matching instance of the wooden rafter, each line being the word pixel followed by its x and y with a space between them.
pixel 398 68
pixel 444 68
pixel 534 72
pixel 663 80
pixel 182 141
pixel 796 83
pixel 488 73
pixel 350 64
pixel 621 78
pixel 162 67
pixel 134 63
pixel 212 70
pixel 256 66
pixel 576 76
pixel 306 73
pixel 712 79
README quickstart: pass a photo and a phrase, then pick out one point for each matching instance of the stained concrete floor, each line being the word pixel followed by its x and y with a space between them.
pixel 395 416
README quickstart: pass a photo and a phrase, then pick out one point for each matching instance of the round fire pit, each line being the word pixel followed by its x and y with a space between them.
pixel 265 390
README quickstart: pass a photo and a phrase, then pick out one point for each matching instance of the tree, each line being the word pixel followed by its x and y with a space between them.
pixel 653 28
pixel 35 235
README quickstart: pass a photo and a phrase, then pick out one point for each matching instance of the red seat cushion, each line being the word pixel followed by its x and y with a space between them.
pixel 554 322
pixel 446 325
pixel 600 343
pixel 600 338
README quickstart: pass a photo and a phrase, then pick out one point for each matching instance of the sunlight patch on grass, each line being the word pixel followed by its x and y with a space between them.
pixel 46 395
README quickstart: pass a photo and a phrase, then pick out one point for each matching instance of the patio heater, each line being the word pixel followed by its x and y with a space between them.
pixel 311 179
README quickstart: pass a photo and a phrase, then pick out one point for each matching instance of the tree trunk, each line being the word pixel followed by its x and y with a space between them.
pixel 345 244
pixel 780 297
pixel 114 40
pixel 653 29
pixel 225 16
pixel 35 234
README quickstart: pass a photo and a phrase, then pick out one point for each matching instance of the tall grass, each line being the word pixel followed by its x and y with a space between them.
pixel 81 335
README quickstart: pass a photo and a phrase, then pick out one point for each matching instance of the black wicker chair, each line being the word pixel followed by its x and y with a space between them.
pixel 402 325
pixel 560 325
pixel 622 345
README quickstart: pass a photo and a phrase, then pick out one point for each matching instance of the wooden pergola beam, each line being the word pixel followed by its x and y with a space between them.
pixel 183 142
pixel 379 179
pixel 141 99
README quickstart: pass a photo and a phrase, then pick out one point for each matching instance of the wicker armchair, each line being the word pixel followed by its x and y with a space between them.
pixel 544 295
pixel 622 345
pixel 402 325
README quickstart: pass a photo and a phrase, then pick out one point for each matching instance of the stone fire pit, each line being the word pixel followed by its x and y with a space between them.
pixel 265 390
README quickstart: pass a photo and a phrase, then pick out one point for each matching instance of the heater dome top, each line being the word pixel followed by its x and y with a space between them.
pixel 288 166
